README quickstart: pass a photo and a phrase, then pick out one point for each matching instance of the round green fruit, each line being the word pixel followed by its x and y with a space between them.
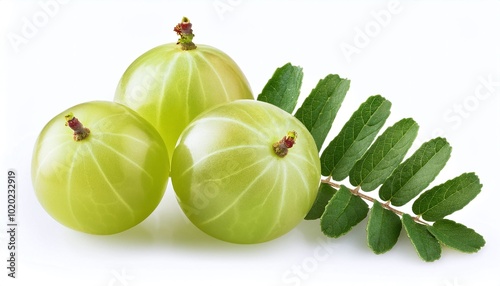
pixel 171 84
pixel 100 168
pixel 246 172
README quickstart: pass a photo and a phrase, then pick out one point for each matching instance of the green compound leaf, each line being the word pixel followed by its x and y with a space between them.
pixel 457 236
pixel 350 154
pixel 445 199
pixel 383 229
pixel 283 89
pixel 416 173
pixel 358 133
pixel 325 193
pixel 426 245
pixel 384 155
pixel 321 106
pixel 342 213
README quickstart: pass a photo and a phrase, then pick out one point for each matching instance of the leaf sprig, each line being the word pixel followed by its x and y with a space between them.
pixel 372 162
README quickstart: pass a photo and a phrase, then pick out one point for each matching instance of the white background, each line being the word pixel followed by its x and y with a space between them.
pixel 432 59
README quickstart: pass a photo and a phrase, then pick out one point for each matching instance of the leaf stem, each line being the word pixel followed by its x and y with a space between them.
pixel 386 205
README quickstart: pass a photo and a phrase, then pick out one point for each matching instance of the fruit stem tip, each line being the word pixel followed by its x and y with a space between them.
pixel 281 147
pixel 80 132
pixel 183 29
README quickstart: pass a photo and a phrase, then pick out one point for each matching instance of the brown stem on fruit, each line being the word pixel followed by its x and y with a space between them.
pixel 281 147
pixel 80 132
pixel 183 29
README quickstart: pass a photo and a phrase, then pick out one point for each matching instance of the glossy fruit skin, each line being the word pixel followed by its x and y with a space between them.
pixel 231 184
pixel 106 183
pixel 169 86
